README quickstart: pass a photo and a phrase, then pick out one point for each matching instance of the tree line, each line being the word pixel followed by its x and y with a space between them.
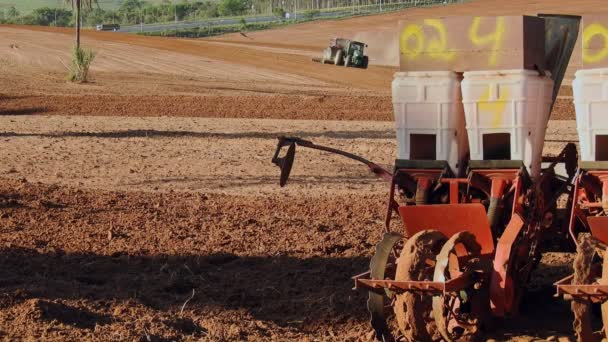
pixel 130 12
pixel 133 12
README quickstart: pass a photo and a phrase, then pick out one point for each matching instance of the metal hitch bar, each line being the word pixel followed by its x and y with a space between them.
pixel 596 293
pixel 432 287
pixel 285 163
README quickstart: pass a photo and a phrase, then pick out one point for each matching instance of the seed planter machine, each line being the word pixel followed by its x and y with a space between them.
pixel 474 195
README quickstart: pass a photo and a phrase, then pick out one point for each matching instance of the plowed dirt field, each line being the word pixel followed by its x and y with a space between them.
pixel 143 205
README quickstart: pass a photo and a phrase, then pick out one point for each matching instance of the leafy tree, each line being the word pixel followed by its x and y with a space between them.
pixel 97 16
pixel 211 10
pixel 12 12
pixel 232 7
pixel 310 14
pixel 181 10
pixel 279 12
pixel 131 5
pixel 130 10
pixel 48 16
pixel 63 17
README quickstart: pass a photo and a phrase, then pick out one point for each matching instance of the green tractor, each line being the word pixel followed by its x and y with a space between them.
pixel 345 52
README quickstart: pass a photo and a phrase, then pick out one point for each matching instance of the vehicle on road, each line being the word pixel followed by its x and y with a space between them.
pixel 108 27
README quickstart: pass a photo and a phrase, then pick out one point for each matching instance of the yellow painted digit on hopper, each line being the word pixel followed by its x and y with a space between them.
pixel 412 32
pixel 438 47
pixel 495 38
pixel 496 108
pixel 588 34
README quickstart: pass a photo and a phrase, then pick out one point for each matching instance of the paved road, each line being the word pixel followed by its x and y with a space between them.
pixel 217 22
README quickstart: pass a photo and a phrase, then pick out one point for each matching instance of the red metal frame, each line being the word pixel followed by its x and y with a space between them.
pixel 423 178
pixel 583 208
pixel 495 183
pixel 450 219
pixel 510 255
pixel 589 199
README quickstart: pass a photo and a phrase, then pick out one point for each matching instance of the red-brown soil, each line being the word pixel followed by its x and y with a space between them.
pixel 92 265
pixel 121 218
pixel 295 107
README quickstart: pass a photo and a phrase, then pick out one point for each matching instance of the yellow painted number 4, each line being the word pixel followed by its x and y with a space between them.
pixel 495 38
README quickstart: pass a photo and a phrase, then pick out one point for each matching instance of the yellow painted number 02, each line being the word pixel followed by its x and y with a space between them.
pixel 413 42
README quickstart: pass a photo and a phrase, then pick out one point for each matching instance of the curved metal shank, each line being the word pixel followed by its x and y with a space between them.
pixel 285 162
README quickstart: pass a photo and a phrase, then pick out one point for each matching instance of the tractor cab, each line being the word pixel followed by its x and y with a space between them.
pixel 355 55
pixel 356 47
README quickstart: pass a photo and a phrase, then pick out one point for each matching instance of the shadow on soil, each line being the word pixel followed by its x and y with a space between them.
pixel 541 316
pixel 78 317
pixel 372 134
pixel 284 290
pixel 19 111
pixel 212 182
pixel 13 97
pixel 23 111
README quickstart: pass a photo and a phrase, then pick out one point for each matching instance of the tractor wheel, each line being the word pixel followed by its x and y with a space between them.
pixel 338 60
pixel 459 315
pixel 581 308
pixel 347 62
pixel 377 303
pixel 365 62
pixel 412 310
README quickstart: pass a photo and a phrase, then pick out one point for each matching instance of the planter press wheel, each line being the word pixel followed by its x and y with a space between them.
pixel 413 310
pixel 458 316
pixel 376 303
